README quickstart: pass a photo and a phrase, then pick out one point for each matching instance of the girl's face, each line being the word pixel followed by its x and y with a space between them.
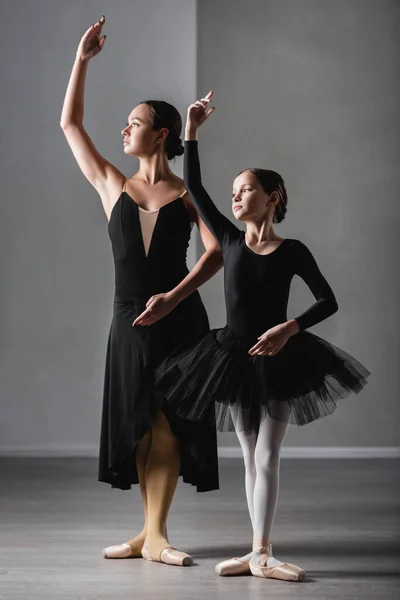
pixel 249 201
pixel 139 136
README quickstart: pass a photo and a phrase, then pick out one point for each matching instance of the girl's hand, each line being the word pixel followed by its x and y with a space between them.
pixel 91 42
pixel 198 112
pixel 273 340
pixel 157 307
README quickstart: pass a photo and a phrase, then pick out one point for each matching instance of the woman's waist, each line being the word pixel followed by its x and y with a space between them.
pixel 190 309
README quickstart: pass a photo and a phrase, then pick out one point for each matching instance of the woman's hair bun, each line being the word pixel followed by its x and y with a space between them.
pixel 166 115
pixel 179 147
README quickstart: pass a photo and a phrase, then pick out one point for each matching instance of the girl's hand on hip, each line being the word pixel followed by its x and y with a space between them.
pixel 272 340
pixel 91 42
pixel 158 306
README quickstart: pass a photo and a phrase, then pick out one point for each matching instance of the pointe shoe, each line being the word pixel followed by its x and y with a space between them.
pixel 125 550
pixel 119 551
pixel 169 556
pixel 285 571
pixel 233 566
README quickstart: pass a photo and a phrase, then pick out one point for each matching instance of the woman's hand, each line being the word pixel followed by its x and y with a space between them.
pixel 274 339
pixel 157 307
pixel 91 42
pixel 198 112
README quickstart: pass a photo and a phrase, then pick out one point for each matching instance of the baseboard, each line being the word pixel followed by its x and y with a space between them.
pixel 322 452
pixel 53 451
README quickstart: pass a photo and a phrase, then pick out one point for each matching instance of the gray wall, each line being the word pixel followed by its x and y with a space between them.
pixel 308 88
pixel 56 268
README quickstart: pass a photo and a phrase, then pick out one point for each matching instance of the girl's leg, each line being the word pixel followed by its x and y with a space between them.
pixel 267 460
pixel 248 445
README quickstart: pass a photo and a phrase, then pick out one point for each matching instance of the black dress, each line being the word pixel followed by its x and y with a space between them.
pixel 130 401
pixel 299 384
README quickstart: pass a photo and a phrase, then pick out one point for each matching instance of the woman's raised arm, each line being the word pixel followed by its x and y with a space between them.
pixel 106 178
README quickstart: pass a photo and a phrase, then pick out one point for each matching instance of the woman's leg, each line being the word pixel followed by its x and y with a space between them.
pixel 267 460
pixel 133 547
pixel 142 454
pixel 161 478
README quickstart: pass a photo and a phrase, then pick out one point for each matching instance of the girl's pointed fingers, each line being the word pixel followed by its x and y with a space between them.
pixel 209 111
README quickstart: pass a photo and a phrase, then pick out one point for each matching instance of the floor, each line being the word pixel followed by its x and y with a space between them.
pixel 338 519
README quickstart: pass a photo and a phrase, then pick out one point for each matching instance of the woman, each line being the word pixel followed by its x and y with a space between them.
pixel 150 218
pixel 263 370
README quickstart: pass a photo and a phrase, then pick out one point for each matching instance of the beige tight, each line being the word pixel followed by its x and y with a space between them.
pixel 158 466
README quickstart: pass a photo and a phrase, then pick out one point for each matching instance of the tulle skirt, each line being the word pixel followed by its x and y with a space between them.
pixel 299 384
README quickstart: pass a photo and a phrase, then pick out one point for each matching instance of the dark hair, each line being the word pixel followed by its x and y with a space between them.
pixel 164 114
pixel 272 182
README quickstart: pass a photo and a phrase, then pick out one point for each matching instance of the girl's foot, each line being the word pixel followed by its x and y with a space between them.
pixel 263 564
pixel 234 566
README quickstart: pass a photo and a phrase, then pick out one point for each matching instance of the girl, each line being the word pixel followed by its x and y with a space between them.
pixel 263 370
pixel 150 219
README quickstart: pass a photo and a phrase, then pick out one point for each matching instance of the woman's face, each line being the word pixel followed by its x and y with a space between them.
pixel 249 201
pixel 139 136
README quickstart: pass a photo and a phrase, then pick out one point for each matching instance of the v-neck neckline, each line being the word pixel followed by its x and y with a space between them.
pixel 135 204
pixel 151 211
pixel 149 214
pixel 158 211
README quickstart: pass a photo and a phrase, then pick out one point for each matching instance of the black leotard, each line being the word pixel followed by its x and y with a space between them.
pixel 257 286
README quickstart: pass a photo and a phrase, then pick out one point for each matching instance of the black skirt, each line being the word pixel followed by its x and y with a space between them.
pixel 131 401
pixel 299 384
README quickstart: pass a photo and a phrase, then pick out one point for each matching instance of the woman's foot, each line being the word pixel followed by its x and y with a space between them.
pixel 263 564
pixel 160 550
pixel 130 549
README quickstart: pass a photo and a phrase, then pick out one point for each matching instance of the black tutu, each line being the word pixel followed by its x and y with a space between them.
pixel 299 384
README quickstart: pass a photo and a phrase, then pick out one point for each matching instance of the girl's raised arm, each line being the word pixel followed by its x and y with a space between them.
pixel 220 226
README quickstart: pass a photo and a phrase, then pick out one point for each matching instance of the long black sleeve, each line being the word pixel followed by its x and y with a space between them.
pixel 220 226
pixel 326 304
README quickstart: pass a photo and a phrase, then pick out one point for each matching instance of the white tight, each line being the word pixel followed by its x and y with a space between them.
pixel 261 453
